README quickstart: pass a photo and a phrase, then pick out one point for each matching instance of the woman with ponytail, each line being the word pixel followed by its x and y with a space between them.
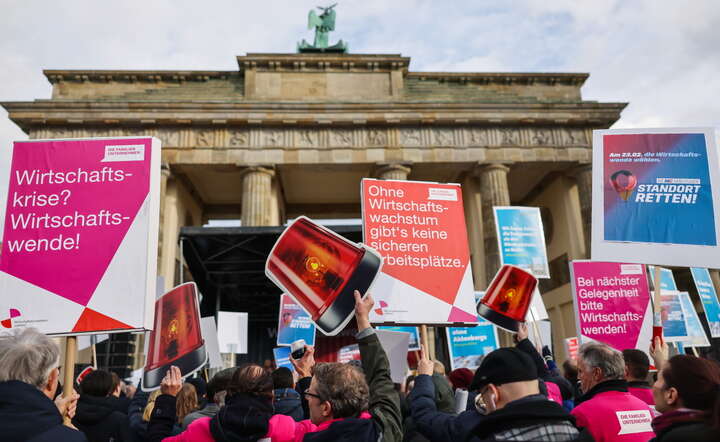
pixel 687 393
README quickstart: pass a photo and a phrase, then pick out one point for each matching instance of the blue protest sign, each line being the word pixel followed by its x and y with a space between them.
pixel 673 318
pixel 294 323
pixel 655 196
pixel 709 299
pixel 521 239
pixel 467 345
pixel 667 280
pixel 696 334
pixel 282 357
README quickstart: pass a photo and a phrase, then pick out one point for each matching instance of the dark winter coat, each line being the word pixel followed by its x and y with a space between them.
pixel 287 401
pixel 26 414
pixel 99 419
pixel 530 418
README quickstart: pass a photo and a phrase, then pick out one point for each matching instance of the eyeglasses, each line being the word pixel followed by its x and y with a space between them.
pixel 306 394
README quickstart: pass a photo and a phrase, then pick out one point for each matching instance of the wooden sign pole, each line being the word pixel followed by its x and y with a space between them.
pixel 69 364
pixel 424 339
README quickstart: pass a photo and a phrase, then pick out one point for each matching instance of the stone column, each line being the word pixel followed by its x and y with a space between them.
pixel 494 192
pixel 164 176
pixel 583 175
pixel 257 197
pixel 715 277
pixel 394 171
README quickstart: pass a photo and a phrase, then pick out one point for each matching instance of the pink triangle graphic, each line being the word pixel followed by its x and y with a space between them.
pixel 457 315
pixel 66 247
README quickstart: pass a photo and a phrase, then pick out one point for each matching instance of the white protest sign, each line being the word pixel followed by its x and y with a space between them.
pixel 210 336
pixel 537 310
pixel 232 332
pixel 396 347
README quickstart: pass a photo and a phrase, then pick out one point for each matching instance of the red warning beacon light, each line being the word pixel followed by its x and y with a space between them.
pixel 320 270
pixel 507 300
pixel 176 338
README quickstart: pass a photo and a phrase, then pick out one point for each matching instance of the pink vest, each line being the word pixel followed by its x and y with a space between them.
pixel 554 392
pixel 281 428
pixel 615 416
pixel 644 394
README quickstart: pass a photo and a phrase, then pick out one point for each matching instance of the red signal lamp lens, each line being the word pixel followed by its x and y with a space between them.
pixel 320 270
pixel 507 300
pixel 176 338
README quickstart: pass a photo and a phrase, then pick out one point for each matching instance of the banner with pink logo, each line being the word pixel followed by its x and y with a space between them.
pixel 79 244
pixel 612 304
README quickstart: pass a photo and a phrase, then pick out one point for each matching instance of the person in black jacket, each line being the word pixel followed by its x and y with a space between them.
pixel 97 415
pixel 28 382
pixel 687 393
pixel 513 409
pixel 285 399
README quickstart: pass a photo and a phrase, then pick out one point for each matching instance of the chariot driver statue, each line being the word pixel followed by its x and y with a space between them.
pixel 323 24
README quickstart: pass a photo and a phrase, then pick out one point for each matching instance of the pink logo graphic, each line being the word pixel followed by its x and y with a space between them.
pixel 14 313
pixel 383 305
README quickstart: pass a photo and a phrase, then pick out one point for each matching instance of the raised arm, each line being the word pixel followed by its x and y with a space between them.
pixel 431 423
pixel 384 401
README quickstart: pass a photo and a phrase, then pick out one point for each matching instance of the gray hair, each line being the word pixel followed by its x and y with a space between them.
pixel 29 356
pixel 604 357
pixel 344 386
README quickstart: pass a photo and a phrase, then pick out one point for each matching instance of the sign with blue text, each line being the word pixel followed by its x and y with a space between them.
pixel 282 358
pixel 521 239
pixel 468 345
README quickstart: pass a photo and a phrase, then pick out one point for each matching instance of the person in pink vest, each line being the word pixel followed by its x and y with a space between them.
pixel 637 367
pixel 606 409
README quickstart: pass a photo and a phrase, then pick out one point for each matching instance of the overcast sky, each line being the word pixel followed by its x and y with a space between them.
pixel 663 57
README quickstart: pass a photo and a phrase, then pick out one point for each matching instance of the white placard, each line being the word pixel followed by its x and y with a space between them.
pixel 210 336
pixel 396 347
pixel 232 332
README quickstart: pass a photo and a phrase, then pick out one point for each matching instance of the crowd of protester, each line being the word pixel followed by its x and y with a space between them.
pixel 516 394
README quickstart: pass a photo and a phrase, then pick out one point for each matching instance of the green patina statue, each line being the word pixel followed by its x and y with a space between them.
pixel 323 24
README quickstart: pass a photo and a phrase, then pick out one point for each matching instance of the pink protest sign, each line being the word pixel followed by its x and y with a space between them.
pixel 80 234
pixel 612 304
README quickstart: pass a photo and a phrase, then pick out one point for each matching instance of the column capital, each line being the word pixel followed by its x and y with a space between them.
pixel 382 170
pixel 165 170
pixel 270 170
pixel 481 168
pixel 573 172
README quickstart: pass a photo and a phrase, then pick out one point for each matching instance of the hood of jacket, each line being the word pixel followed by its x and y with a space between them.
pixel 243 418
pixel 25 411
pixel 92 410
pixel 287 401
